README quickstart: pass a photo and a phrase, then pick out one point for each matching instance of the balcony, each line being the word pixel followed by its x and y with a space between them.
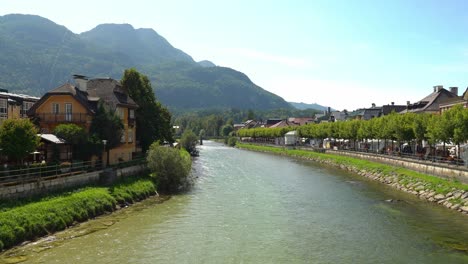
pixel 63 118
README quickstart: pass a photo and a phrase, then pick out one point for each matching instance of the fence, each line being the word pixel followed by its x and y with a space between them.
pixel 38 171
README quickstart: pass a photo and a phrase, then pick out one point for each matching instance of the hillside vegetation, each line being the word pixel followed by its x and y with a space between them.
pixel 38 55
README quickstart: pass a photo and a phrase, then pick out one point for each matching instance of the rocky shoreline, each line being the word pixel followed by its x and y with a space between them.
pixel 455 199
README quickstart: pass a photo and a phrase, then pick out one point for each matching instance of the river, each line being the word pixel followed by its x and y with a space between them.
pixel 249 207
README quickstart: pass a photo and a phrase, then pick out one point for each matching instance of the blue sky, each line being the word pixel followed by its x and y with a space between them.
pixel 344 54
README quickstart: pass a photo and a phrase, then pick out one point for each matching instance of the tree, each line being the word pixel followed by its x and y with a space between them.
pixel 18 138
pixel 188 141
pixel 74 135
pixel 107 125
pixel 226 129
pixel 83 145
pixel 250 115
pixel 170 167
pixel 153 121
pixel 201 135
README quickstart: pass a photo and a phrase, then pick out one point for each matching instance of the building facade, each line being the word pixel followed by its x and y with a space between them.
pixel 78 104
pixel 14 106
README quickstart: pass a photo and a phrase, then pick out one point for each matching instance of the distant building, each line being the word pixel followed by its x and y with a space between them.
pixel 431 103
pixel 270 122
pixel 378 111
pixel 339 115
pixel 284 123
pixel 300 121
pixel 462 100
pixel 15 105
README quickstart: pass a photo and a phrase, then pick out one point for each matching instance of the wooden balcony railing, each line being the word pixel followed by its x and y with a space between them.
pixel 64 118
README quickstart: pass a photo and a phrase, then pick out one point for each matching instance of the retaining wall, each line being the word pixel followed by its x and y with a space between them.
pixel 45 185
pixel 455 173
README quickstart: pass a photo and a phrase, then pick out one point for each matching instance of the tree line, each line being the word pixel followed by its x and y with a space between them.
pixel 220 122
pixel 449 127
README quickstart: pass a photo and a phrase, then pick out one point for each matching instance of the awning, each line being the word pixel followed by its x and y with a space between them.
pixel 52 138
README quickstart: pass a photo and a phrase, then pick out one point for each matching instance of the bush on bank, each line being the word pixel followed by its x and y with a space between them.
pixel 170 167
pixel 29 220
pixel 437 184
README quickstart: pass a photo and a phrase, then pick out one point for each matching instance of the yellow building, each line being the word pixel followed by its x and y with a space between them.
pixel 15 105
pixel 78 104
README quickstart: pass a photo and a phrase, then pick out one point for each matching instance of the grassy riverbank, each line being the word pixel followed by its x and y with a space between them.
pixel 451 194
pixel 29 219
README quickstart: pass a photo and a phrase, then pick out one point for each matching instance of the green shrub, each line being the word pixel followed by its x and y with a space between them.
pixel 170 167
pixel 232 141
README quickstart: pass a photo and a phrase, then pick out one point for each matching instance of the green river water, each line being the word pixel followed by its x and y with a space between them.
pixel 249 207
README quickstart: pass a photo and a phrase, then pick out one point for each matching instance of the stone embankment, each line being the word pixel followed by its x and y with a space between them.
pixel 456 199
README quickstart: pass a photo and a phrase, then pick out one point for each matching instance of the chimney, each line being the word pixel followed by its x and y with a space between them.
pixel 81 82
pixel 407 102
pixel 329 110
pixel 438 88
pixel 454 90
pixel 373 105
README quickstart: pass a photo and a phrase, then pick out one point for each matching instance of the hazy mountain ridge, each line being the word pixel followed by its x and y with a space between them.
pixel 38 55
pixel 303 106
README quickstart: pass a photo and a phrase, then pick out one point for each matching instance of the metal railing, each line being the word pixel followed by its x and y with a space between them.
pixel 64 117
pixel 38 171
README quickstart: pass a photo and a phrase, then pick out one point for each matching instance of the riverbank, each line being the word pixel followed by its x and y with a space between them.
pixel 26 220
pixel 451 194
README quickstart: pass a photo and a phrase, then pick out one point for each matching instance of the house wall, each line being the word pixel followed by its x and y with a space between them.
pixel 125 150
pixel 61 100
pixel 434 108
pixel 14 111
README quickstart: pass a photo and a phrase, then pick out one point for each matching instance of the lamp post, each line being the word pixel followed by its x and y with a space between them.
pixel 104 143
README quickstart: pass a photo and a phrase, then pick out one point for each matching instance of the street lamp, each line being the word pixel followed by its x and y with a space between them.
pixel 104 143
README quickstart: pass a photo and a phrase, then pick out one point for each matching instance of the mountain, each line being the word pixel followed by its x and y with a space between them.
pixel 38 55
pixel 206 63
pixel 303 106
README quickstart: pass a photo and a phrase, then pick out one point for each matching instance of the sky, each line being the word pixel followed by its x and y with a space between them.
pixel 339 53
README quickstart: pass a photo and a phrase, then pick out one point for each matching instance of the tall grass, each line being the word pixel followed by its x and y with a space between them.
pixel 22 221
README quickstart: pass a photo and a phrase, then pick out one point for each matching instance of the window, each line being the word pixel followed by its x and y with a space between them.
pixel 25 107
pixel 55 108
pixel 3 106
pixel 119 112
pixel 131 114
pixel 130 135
pixel 122 139
pixel 68 112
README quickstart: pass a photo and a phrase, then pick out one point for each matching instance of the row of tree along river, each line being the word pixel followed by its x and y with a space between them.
pixel 249 207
